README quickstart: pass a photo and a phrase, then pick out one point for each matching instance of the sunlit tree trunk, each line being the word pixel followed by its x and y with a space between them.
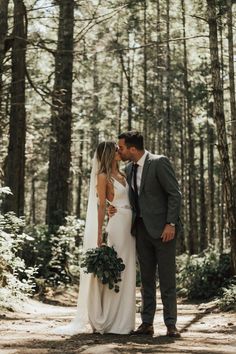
pixel 95 110
pixel 80 178
pixel 232 87
pixel 219 118
pixel 159 111
pixel 193 226
pixel 128 75
pixel 168 135
pixel 202 200
pixel 121 89
pixel 145 113
pixel 211 183
pixel 3 33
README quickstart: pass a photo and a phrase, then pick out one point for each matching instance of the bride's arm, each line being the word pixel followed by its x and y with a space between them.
pixel 101 191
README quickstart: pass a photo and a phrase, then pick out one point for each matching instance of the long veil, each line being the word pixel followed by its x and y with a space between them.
pixel 80 323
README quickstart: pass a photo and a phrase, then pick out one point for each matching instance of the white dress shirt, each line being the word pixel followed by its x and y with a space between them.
pixel 140 164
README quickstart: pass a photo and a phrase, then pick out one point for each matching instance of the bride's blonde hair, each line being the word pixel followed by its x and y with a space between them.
pixel 106 151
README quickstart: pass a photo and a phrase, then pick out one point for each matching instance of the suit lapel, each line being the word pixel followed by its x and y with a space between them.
pixel 145 170
pixel 129 181
pixel 129 174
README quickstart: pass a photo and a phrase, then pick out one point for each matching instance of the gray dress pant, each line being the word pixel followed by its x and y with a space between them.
pixel 153 253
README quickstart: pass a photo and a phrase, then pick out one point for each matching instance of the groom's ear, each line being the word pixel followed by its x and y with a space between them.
pixel 133 149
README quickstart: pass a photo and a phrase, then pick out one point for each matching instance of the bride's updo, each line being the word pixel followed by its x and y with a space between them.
pixel 106 151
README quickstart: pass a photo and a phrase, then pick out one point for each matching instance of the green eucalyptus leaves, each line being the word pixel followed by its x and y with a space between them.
pixel 104 263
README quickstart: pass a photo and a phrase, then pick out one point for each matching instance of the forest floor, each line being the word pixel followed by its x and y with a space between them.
pixel 204 330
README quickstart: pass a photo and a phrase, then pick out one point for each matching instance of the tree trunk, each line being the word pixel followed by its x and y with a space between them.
pixel 3 33
pixel 79 189
pixel 127 73
pixel 60 144
pixel 158 111
pixel 145 113
pixel 182 243
pixel 32 216
pixel 221 130
pixel 95 111
pixel 220 214
pixel 232 87
pixel 193 229
pixel 211 183
pixel 168 85
pixel 120 102
pixel 203 224
pixel 15 162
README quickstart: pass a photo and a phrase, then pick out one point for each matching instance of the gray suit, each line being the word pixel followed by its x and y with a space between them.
pixel 159 203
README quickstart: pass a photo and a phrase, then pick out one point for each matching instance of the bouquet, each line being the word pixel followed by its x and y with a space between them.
pixel 104 263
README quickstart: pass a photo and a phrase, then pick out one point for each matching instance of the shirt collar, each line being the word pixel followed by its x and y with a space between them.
pixel 141 161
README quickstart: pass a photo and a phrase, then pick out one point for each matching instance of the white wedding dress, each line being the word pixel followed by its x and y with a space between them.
pixel 99 308
pixel 111 312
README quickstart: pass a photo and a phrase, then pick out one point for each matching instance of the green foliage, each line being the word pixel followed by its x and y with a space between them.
pixel 104 264
pixel 16 279
pixel 227 301
pixel 29 263
pixel 66 251
pixel 203 276
pixel 56 255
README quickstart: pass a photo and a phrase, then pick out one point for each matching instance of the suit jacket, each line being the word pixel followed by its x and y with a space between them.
pixel 159 197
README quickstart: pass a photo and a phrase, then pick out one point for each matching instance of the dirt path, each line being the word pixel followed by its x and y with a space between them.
pixel 203 328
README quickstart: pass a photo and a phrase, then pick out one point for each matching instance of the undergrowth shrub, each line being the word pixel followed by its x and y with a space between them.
pixel 56 255
pixel 66 251
pixel 227 301
pixel 16 279
pixel 203 276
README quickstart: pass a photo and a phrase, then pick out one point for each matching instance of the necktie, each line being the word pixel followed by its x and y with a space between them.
pixel 136 196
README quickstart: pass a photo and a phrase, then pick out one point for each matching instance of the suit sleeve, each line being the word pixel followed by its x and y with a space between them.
pixel 168 181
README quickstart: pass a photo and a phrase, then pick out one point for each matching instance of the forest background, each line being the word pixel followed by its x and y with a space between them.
pixel 73 73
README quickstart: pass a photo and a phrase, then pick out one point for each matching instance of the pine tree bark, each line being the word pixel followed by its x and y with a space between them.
pixel 120 101
pixel 3 34
pixel 145 113
pixel 79 188
pixel 193 226
pixel 211 182
pixel 168 132
pixel 184 210
pixel 221 130
pixel 232 86
pixel 159 98
pixel 128 76
pixel 60 144
pixel 203 223
pixel 15 162
pixel 95 110
pixel 220 214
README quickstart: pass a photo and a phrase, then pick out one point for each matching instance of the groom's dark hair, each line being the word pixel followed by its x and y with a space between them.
pixel 132 138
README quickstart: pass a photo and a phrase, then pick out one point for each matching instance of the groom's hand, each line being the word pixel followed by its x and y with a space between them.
pixel 111 210
pixel 168 233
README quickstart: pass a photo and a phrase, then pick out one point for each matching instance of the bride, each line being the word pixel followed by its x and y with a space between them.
pixel 99 308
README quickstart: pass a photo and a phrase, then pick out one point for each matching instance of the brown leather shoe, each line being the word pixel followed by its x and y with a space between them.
pixel 144 329
pixel 172 331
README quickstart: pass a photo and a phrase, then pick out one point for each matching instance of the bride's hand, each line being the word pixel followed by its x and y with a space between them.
pixel 111 210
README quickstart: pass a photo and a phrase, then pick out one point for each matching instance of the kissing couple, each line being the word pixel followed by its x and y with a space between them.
pixel 143 217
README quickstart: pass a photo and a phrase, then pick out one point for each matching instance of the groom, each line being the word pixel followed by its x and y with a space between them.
pixel 155 199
